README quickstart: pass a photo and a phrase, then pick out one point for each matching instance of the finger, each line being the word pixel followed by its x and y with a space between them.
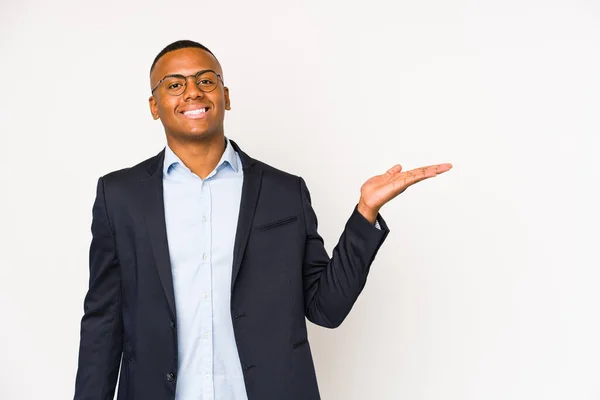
pixel 413 176
pixel 418 174
pixel 408 178
pixel 441 168
pixel 431 170
pixel 394 170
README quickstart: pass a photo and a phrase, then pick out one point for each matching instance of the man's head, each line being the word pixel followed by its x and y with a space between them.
pixel 191 106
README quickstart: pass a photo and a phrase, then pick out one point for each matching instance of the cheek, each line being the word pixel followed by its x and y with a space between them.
pixel 218 99
pixel 166 109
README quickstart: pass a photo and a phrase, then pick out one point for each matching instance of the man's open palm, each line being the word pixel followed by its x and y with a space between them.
pixel 380 189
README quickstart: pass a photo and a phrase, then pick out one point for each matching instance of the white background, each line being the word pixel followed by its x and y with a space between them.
pixel 487 286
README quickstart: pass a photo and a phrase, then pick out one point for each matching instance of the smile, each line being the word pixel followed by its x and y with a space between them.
pixel 195 113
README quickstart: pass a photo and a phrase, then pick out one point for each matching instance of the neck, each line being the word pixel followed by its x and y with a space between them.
pixel 201 156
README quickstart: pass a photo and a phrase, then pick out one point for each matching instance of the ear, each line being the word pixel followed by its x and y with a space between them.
pixel 227 101
pixel 153 107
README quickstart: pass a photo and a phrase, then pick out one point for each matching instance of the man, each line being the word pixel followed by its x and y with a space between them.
pixel 205 262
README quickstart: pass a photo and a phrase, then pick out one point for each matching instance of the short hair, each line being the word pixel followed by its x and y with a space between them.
pixel 180 44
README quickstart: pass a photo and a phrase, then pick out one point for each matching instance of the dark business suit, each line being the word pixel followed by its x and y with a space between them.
pixel 281 274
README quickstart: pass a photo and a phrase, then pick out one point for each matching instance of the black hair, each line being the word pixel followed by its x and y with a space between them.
pixel 180 44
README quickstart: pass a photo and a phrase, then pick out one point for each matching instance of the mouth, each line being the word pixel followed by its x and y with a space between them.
pixel 195 113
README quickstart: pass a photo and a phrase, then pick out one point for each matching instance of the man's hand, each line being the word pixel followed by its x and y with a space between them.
pixel 380 189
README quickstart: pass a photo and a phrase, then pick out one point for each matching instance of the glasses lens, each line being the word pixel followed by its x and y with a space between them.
pixel 174 85
pixel 207 82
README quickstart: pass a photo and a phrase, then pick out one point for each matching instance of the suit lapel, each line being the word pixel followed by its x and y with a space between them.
pixel 154 213
pixel 250 191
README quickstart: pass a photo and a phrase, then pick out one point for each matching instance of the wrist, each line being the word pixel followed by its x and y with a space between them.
pixel 369 213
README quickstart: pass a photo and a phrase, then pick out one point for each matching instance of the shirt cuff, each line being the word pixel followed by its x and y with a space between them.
pixel 377 224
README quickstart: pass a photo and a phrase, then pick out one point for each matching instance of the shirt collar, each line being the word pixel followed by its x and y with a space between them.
pixel 229 157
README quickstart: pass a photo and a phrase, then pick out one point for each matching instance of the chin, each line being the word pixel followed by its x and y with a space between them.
pixel 193 135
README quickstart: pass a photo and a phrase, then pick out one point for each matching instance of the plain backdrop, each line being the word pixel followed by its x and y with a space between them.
pixel 487 286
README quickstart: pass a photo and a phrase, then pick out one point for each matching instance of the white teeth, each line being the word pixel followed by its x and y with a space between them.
pixel 195 112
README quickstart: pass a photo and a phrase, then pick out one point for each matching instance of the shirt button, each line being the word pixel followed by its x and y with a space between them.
pixel 207 375
pixel 172 324
pixel 206 295
pixel 204 219
pixel 205 256
pixel 206 334
pixel 170 377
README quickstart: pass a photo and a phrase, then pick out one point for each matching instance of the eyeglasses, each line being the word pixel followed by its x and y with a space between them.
pixel 206 81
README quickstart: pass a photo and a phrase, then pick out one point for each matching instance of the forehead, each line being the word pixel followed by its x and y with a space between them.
pixel 185 62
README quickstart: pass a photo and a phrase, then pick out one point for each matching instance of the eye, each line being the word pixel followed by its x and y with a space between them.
pixel 175 85
pixel 205 82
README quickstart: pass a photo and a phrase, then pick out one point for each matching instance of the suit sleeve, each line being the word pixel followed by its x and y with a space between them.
pixel 332 285
pixel 101 326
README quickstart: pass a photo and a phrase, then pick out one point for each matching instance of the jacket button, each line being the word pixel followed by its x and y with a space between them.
pixel 170 377
pixel 172 324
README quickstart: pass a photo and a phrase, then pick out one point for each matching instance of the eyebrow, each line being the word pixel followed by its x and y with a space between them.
pixel 196 73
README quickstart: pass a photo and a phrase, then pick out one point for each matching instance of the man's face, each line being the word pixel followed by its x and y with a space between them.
pixel 180 115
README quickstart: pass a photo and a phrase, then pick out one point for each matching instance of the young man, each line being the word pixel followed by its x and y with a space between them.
pixel 205 262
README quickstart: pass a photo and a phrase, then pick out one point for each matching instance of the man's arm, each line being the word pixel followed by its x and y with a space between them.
pixel 331 286
pixel 101 326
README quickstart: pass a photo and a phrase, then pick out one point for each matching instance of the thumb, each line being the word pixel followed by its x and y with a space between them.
pixel 394 170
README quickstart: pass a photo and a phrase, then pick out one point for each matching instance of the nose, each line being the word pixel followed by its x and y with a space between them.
pixel 191 89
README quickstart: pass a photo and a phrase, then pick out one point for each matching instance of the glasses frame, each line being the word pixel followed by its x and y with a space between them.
pixel 195 76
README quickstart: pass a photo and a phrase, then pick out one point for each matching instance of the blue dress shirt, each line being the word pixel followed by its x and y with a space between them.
pixel 201 220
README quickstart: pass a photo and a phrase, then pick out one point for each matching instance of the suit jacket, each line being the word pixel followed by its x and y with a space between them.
pixel 281 276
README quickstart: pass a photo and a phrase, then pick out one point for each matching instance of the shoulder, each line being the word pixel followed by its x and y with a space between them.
pixel 278 180
pixel 139 172
pixel 268 171
pixel 275 173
